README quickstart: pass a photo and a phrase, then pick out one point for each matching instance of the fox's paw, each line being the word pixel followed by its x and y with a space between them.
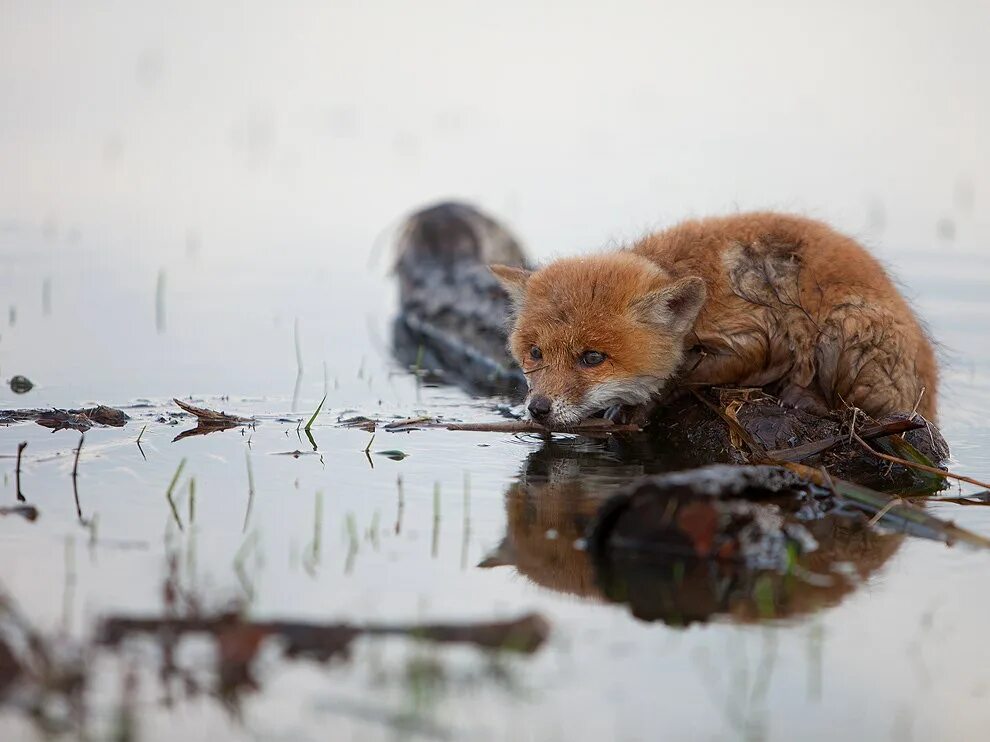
pixel 630 414
pixel 803 399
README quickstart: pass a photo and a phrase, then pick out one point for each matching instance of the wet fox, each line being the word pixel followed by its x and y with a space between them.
pixel 756 300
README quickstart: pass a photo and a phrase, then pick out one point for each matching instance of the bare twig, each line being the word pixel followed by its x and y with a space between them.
pixel 883 511
pixel 972 500
pixel 596 425
pixel 171 488
pixel 914 410
pixel 138 441
pixel 75 476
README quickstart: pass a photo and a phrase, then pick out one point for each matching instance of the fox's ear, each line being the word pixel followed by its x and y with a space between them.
pixel 675 307
pixel 503 555
pixel 513 280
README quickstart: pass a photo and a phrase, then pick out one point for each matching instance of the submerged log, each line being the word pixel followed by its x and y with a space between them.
pixel 453 326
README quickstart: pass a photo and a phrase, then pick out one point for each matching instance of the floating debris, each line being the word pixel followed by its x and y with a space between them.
pixel 56 419
pixel 209 421
pixel 28 512
pixel 211 417
pixel 21 384
pixel 359 421
pixel 83 420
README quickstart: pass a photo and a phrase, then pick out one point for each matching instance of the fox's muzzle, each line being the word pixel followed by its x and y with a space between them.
pixel 539 407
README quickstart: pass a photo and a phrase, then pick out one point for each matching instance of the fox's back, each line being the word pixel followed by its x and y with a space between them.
pixel 792 301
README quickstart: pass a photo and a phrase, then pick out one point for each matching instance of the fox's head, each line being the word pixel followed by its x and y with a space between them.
pixel 598 331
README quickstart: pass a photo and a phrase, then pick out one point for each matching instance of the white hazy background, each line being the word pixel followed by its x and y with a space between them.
pixel 309 128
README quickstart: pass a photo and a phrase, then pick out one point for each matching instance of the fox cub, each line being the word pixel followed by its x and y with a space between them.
pixel 763 299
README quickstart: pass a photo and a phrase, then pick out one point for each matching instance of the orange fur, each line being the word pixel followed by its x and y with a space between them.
pixel 782 302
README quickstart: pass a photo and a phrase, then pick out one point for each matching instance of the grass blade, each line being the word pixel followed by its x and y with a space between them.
pixel 313 418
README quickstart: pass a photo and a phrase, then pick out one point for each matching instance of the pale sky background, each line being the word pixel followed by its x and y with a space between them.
pixel 247 124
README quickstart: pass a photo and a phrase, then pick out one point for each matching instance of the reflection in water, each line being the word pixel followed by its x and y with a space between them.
pixel 549 509
pixel 50 675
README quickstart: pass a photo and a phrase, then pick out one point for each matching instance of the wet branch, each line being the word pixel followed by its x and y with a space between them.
pixel 595 425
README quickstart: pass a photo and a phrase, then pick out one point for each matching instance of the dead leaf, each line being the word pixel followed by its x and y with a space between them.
pixel 732 412
pixel 359 421
pixel 81 420
pixel 211 417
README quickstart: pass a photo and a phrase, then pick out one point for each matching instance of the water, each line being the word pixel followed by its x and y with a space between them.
pixel 187 193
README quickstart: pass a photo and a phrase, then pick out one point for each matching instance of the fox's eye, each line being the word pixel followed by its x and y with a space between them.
pixel 535 354
pixel 592 358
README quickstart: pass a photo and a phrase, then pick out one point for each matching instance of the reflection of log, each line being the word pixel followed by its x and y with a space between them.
pixel 652 562
pixel 768 527
pixel 454 318
pixel 237 640
pixel 525 634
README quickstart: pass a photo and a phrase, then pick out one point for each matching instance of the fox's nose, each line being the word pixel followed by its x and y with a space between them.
pixel 539 407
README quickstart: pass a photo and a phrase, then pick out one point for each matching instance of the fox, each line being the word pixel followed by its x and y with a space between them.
pixel 777 301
